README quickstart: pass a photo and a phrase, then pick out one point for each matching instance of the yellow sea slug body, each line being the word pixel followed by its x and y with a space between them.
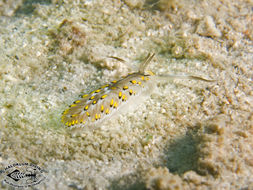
pixel 108 99
pixel 113 98
pixel 98 105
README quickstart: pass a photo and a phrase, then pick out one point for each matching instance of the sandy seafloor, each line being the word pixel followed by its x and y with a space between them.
pixel 187 135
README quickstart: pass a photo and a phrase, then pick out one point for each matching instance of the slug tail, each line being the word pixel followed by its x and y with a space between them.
pixel 184 77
